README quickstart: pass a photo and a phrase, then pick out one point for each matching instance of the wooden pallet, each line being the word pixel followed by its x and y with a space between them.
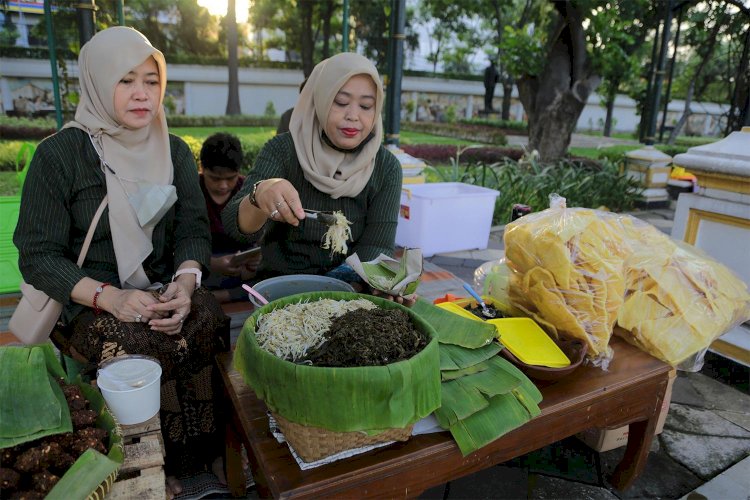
pixel 142 473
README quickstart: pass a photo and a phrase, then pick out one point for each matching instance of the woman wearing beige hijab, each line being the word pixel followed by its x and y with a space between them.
pixel 332 159
pixel 138 290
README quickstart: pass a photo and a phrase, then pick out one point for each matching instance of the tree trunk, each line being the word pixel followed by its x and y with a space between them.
pixel 738 111
pixel 233 99
pixel 709 51
pixel 306 14
pixel 687 111
pixel 610 103
pixel 507 90
pixel 554 99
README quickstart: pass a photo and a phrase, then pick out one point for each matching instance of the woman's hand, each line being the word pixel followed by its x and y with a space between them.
pixel 172 307
pixel 394 298
pixel 223 265
pixel 280 201
pixel 131 305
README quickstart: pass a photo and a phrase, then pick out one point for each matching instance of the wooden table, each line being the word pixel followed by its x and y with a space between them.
pixel 631 392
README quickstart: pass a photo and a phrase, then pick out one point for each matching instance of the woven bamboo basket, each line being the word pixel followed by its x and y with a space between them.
pixel 307 401
pixel 316 443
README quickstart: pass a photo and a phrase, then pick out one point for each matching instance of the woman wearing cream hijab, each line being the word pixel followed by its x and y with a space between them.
pixel 332 159
pixel 137 291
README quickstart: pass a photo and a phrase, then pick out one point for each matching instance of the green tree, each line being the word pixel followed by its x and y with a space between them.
pixel 709 25
pixel 559 63
pixel 143 15
pixel 444 19
pixel 8 31
pixel 372 29
pixel 505 20
pixel 196 31
pixel 620 49
pixel 309 28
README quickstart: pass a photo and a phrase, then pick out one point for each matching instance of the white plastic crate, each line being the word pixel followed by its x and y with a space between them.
pixel 445 217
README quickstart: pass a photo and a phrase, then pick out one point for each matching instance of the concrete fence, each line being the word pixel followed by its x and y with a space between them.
pixel 26 88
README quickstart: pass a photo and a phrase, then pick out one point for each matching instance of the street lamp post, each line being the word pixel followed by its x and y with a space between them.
pixel 53 63
pixel 345 28
pixel 671 74
pixel 86 15
pixel 659 75
pixel 395 70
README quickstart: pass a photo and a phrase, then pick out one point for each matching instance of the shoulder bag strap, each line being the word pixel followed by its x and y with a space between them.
pixel 90 234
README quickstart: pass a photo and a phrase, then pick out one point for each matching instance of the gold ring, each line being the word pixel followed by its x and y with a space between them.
pixel 274 214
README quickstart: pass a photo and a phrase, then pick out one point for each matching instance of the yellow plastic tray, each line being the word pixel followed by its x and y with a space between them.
pixel 455 308
pixel 487 300
pixel 529 343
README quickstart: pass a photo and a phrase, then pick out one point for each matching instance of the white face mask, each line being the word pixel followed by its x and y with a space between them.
pixel 151 202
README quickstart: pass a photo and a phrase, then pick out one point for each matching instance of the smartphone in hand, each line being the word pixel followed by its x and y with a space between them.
pixel 240 258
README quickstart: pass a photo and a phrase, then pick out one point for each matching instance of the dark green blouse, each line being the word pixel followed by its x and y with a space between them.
pixel 297 250
pixel 61 193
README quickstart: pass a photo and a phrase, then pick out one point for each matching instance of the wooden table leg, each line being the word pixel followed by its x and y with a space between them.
pixel 630 467
pixel 236 479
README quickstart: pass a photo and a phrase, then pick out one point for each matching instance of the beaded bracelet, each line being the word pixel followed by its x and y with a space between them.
pixel 98 291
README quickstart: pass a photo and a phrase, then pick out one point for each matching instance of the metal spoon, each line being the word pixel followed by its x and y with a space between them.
pixel 326 218
pixel 485 310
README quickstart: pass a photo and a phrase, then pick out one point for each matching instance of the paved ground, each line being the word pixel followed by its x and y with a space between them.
pixel 703 452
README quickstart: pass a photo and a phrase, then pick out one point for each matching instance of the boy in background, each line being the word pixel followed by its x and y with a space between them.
pixel 220 160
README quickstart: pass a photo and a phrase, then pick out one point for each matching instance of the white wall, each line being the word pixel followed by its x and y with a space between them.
pixel 205 93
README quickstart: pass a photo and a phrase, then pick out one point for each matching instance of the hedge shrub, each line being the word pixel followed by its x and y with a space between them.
pixel 478 133
pixel 12 127
pixel 443 153
pixel 222 121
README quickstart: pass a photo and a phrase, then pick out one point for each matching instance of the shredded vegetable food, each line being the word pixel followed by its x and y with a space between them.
pixel 290 331
pixel 338 234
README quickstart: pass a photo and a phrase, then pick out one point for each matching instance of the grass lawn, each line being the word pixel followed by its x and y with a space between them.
pixel 407 137
pixel 617 135
pixel 594 153
pixel 262 134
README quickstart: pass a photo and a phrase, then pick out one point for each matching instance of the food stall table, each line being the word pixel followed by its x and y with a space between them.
pixel 630 392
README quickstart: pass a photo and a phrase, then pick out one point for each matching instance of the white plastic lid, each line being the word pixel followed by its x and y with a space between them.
pixel 128 372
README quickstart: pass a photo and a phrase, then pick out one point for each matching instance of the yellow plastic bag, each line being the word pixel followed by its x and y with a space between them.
pixel 579 272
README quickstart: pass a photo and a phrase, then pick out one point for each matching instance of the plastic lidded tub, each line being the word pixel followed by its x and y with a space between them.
pixel 131 387
pixel 283 286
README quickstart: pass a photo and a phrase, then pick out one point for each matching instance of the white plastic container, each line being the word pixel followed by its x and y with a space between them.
pixel 445 217
pixel 131 387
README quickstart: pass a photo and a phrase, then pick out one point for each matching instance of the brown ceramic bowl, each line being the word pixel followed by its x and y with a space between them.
pixel 575 350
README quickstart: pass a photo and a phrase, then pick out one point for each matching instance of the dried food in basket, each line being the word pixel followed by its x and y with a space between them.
pixel 55 434
pixel 366 399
